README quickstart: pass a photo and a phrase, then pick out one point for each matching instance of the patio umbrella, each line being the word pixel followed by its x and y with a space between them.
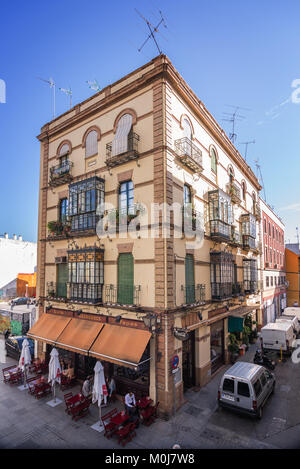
pixel 99 388
pixel 25 358
pixel 54 370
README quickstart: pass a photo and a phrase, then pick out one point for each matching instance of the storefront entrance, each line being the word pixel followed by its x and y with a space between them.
pixel 216 345
pixel 188 361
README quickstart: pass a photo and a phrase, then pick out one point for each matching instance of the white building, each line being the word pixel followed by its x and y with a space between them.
pixel 16 256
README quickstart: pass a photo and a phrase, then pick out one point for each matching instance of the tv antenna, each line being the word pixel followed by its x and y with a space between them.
pixel 52 85
pixel 297 234
pixel 93 85
pixel 246 147
pixel 68 92
pixel 234 117
pixel 153 30
pixel 259 177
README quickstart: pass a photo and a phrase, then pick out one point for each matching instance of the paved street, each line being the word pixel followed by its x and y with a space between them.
pixel 26 422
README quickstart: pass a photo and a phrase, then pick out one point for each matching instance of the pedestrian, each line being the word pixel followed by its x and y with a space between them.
pixel 130 404
pixel 111 386
pixel 86 387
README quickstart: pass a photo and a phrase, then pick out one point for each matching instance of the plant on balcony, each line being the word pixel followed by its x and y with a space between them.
pixel 57 228
pixel 233 348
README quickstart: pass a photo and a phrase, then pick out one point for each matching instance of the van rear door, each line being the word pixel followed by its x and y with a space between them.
pixel 228 391
pixel 244 397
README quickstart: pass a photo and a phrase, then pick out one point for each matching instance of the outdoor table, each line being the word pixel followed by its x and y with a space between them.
pixel 119 419
pixel 144 402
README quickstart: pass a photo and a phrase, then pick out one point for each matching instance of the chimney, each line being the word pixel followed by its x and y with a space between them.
pixel 14 236
pixel 5 235
pixel 20 238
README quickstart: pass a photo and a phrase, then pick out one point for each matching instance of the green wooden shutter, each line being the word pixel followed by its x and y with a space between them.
pixel 125 279
pixel 189 279
pixel 62 278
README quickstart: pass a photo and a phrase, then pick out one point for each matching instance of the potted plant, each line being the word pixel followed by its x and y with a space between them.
pixel 245 336
pixel 233 348
pixel 55 227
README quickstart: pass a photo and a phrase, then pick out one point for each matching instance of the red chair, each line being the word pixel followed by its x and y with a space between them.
pixel 149 414
pixel 66 382
pixel 80 410
pixel 6 375
pixel 16 378
pixel 67 396
pixel 109 427
pixel 126 433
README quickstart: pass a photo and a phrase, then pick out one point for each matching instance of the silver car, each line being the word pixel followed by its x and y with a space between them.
pixel 245 388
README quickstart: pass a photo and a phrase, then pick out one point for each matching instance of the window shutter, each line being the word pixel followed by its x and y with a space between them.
pixel 120 141
pixel 189 279
pixel 125 279
pixel 62 278
pixel 91 144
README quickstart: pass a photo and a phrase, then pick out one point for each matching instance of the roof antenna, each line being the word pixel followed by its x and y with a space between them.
pixel 52 85
pixel 94 85
pixel 153 30
pixel 246 147
pixel 233 117
pixel 259 176
pixel 68 92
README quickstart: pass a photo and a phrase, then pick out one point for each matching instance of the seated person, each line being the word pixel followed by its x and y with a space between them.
pixel 69 372
pixel 86 387
pixel 130 404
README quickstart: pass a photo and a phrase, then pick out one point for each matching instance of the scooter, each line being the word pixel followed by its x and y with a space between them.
pixel 261 359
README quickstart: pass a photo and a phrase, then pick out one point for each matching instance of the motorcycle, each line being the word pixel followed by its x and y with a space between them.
pixel 263 360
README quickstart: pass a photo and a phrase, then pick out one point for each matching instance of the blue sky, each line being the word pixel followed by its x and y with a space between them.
pixel 240 53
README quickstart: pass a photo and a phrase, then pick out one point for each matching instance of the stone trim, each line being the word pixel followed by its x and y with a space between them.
pixel 64 142
pixel 93 127
pixel 125 247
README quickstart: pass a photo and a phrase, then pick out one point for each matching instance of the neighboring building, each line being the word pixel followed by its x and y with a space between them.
pixel 137 302
pixel 292 256
pixel 26 285
pixel 274 292
pixel 16 256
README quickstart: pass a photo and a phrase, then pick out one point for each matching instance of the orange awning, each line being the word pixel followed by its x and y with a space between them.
pixel 121 345
pixel 48 328
pixel 79 335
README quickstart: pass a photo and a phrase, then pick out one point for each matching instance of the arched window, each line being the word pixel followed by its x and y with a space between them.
pixel 91 143
pixel 120 143
pixel 64 150
pixel 187 130
pixel 231 174
pixel 213 156
pixel 244 191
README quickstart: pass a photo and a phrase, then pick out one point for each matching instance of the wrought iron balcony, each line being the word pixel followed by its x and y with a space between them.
pixel 61 174
pixel 56 290
pixel 193 294
pixel 119 219
pixel 130 154
pixel 220 231
pixel 86 292
pixel 236 237
pixel 191 219
pixel 122 294
pixel 59 228
pixel 84 222
pixel 250 287
pixel 237 289
pixel 221 291
pixel 249 243
pixel 234 191
pixel 189 154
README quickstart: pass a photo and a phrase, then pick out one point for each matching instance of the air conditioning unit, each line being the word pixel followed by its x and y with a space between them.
pixel 61 260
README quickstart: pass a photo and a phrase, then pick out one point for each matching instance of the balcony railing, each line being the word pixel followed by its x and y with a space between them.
pixel 249 243
pixel 86 292
pixel 84 222
pixel 56 290
pixel 191 219
pixel 61 174
pixel 236 237
pixel 130 154
pixel 221 291
pixel 122 294
pixel 121 218
pixel 189 154
pixel 250 286
pixel 234 191
pixel 237 289
pixel 193 294
pixel 219 230
pixel 59 228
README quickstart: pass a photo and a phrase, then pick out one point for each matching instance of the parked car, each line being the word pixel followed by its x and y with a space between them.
pixel 19 301
pixel 245 388
pixel 13 346
pixel 278 336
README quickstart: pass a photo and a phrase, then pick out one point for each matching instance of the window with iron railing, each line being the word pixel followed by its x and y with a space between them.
pixel 113 292
pixel 219 214
pixel 248 222
pixel 250 275
pixel 221 274
pixel 86 274
pixel 84 199
pixel 116 155
pixel 61 173
pixel 189 154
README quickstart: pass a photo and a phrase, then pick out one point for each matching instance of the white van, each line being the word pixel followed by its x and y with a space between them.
pixel 292 311
pixel 278 336
pixel 292 320
pixel 245 388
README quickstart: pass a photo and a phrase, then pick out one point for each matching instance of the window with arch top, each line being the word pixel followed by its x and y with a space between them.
pixel 91 143
pixel 213 156
pixel 120 143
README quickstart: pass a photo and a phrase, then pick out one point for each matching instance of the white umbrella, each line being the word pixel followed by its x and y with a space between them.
pixel 25 359
pixel 54 375
pixel 99 388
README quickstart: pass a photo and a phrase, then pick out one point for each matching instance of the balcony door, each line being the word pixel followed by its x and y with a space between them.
pixel 62 278
pixel 189 279
pixel 125 279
